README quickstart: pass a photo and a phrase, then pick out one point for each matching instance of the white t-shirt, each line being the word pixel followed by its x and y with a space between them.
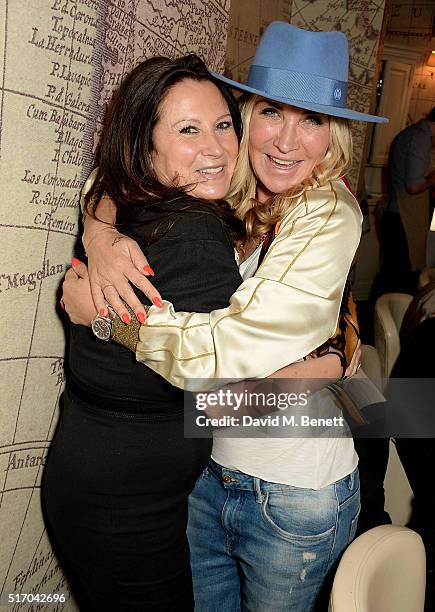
pixel 310 463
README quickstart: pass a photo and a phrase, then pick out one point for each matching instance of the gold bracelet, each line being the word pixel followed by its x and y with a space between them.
pixel 127 335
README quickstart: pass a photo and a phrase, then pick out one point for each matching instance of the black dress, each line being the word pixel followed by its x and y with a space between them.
pixel 120 470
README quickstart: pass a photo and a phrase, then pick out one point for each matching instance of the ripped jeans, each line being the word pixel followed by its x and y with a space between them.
pixel 259 546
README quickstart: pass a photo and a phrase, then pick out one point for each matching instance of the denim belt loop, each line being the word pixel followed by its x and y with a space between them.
pixel 257 488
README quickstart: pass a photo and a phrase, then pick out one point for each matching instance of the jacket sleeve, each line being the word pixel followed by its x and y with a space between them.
pixel 285 311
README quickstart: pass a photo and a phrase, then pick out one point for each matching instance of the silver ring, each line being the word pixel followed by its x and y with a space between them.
pixel 358 366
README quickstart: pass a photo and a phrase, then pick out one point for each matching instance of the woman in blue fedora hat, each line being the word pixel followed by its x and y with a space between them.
pixel 268 517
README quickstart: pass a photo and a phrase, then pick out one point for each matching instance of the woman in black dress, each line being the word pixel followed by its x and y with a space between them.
pixel 120 470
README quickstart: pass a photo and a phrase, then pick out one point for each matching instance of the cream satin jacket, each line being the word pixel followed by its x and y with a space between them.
pixel 289 308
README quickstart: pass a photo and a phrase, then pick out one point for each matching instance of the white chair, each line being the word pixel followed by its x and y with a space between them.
pixel 371 363
pixel 383 570
pixel 389 311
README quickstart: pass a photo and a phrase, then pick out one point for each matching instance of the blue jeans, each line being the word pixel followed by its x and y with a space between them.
pixel 258 546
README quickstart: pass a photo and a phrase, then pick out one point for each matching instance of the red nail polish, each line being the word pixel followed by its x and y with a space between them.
pixel 157 302
pixel 126 318
pixel 75 262
pixel 148 270
pixel 102 312
pixel 140 317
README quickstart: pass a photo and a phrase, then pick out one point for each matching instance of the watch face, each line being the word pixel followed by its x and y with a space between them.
pixel 102 328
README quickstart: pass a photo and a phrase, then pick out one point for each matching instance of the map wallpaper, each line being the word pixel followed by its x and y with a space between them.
pixel 60 61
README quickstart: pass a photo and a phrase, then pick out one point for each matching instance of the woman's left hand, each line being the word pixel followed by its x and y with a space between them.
pixel 77 297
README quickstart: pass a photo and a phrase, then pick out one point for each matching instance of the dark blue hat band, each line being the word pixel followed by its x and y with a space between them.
pixel 310 88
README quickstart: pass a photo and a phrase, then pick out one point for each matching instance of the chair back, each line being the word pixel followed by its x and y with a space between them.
pixel 371 364
pixel 383 570
pixel 389 311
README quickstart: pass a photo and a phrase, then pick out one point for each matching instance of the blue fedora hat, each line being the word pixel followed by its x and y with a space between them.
pixel 304 69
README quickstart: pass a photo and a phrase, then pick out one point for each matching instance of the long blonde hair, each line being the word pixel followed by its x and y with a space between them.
pixel 260 217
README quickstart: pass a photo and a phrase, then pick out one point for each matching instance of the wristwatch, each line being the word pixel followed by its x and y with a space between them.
pixel 102 326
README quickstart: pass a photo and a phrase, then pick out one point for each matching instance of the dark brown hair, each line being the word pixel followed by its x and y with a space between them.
pixel 125 172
